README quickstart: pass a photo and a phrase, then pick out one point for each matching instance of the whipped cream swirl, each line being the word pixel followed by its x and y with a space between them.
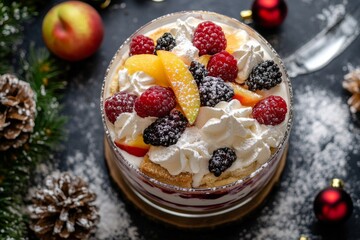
pixel 128 126
pixel 189 154
pixel 249 55
pixel 136 83
pixel 229 124
pixel 225 123
pixel 183 33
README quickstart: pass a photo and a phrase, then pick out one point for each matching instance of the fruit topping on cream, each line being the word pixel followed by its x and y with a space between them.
pixel 136 83
pixel 183 32
pixel 248 56
pixel 201 100
pixel 189 154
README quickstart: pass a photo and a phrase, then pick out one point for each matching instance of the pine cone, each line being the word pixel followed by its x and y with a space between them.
pixel 17 112
pixel 63 209
pixel 352 84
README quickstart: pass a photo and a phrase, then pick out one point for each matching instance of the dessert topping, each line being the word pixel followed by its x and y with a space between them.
pixel 270 111
pixel 182 83
pixel 224 124
pixel 183 33
pixel 135 147
pixel 185 28
pixel 136 83
pixel 198 71
pixel 221 160
pixel 246 97
pixel 235 39
pixel 129 126
pixel 149 64
pixel 190 154
pixel 119 103
pixel 264 76
pixel 223 65
pixel 156 101
pixel 141 45
pixel 209 38
pixel 214 90
pixel 248 56
pixel 165 42
pixel 166 131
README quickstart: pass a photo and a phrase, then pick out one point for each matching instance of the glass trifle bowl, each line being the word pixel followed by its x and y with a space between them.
pixel 197 111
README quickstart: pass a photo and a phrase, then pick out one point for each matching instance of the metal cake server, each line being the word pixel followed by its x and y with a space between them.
pixel 325 46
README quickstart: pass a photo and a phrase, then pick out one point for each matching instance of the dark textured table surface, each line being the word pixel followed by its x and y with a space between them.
pixel 325 139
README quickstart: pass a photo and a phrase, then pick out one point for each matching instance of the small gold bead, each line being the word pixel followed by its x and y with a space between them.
pixel 337 183
pixel 246 15
pixel 302 237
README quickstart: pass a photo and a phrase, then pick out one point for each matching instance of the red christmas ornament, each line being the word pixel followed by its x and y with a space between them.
pixel 333 204
pixel 269 13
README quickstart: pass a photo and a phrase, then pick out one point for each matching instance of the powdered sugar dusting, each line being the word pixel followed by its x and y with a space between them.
pixel 320 155
pixel 114 220
pixel 83 157
pixel 115 223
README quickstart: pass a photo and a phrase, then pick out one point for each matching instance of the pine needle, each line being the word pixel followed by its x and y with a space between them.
pixel 45 77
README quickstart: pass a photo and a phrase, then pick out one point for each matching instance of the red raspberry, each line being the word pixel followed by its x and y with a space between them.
pixel 209 38
pixel 141 45
pixel 270 111
pixel 119 103
pixel 223 65
pixel 155 102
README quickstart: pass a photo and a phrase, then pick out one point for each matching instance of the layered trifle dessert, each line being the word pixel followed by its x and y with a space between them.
pixel 196 101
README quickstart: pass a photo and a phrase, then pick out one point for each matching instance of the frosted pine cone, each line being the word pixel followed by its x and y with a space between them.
pixel 63 209
pixel 17 112
pixel 352 84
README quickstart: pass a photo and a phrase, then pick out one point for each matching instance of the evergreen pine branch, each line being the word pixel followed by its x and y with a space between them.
pixel 43 74
pixel 16 166
pixel 12 17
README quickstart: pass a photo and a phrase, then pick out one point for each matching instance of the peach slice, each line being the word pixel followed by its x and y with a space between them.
pixel 150 64
pixel 135 147
pixel 246 97
pixel 182 83
pixel 204 59
pixel 235 40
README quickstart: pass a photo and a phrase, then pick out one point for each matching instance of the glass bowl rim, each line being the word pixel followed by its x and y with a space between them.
pixel 207 190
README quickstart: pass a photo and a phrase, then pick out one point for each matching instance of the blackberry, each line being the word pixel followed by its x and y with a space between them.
pixel 221 160
pixel 165 42
pixel 214 90
pixel 265 75
pixel 198 71
pixel 166 131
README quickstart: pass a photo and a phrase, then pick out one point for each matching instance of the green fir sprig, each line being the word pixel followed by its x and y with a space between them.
pixel 16 165
pixel 45 76
pixel 12 17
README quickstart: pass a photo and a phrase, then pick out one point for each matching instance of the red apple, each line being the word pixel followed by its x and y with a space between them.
pixel 73 30
pixel 246 97
pixel 135 147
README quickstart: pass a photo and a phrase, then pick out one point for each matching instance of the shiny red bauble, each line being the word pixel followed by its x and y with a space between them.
pixel 269 13
pixel 333 205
